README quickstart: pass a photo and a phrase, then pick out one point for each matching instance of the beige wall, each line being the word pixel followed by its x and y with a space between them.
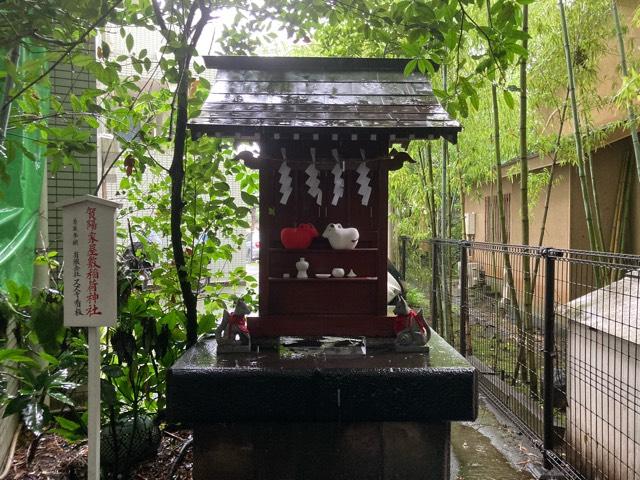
pixel 557 231
pixel 566 224
pixel 608 165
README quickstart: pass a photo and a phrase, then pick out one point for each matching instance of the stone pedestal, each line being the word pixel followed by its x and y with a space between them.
pixel 309 451
pixel 273 415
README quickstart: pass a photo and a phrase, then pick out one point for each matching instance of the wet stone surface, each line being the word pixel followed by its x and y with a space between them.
pixel 306 384
pixel 490 448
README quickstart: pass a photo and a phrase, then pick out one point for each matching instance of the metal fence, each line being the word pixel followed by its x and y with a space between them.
pixel 554 335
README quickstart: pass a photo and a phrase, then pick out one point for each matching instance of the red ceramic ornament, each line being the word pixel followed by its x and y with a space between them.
pixel 299 237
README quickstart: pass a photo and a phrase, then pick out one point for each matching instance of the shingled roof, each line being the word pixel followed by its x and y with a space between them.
pixel 252 95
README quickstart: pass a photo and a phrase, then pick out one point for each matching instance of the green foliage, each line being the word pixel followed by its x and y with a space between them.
pixel 47 320
pixel 416 298
pixel 40 367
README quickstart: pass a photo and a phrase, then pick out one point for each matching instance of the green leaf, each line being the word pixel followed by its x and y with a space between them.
pixel 475 101
pixel 16 405
pixel 508 98
pixel 519 50
pixel 50 359
pixel 114 371
pixel 222 186
pixel 62 398
pixel 83 60
pixel 33 416
pixel 15 355
pixel 249 199
pixel 108 393
pixel 129 41
pixel 206 323
pixel 67 424
pixel 137 65
pixel 410 67
pixel 91 121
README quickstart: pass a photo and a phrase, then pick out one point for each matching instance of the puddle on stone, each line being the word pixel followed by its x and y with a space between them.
pixel 478 459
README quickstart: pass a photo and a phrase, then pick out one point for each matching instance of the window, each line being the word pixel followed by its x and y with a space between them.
pixel 492 218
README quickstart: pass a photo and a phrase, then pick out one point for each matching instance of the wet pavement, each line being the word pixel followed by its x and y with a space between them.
pixel 492 449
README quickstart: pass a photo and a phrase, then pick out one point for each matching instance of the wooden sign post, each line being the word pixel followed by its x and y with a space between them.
pixel 89 242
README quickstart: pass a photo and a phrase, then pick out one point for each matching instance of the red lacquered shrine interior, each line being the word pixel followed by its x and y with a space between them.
pixel 325 128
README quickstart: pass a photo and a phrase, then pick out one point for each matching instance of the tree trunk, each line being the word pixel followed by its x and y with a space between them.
pixel 189 35
pixel 176 172
pixel 633 121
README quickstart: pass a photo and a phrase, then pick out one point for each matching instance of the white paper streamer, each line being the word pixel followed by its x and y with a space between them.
pixel 285 179
pixel 313 180
pixel 364 181
pixel 338 184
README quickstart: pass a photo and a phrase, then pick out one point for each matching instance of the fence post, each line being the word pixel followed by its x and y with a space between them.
pixel 464 298
pixel 549 351
pixel 434 285
pixel 403 256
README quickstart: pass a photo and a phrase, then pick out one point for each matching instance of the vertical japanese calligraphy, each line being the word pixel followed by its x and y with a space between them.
pixel 93 269
pixel 77 301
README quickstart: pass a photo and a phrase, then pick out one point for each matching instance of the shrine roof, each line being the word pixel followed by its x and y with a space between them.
pixel 254 95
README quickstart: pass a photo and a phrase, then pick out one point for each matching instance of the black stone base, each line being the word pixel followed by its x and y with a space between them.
pixel 322 451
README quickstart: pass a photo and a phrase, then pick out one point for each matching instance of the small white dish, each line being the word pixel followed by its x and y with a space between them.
pixel 323 275
pixel 337 272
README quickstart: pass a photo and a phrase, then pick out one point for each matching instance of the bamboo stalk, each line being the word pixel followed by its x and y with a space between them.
pixel 547 198
pixel 594 193
pixel 578 137
pixel 503 226
pixel 631 114
pixel 617 213
pixel 526 335
pixel 432 194
pixel 624 217
pixel 444 272
pixel 617 244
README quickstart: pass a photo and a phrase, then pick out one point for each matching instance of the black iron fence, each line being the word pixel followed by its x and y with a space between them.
pixel 555 335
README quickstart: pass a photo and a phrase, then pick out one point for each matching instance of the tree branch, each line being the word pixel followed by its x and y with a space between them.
pixel 65 54
pixel 158 14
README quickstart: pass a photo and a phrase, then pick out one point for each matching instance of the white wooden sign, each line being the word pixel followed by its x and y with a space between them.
pixel 89 241
pixel 90 291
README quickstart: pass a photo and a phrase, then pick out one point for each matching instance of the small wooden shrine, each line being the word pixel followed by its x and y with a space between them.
pixel 325 129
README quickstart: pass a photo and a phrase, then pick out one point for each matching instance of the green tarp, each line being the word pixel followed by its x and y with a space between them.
pixel 20 200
